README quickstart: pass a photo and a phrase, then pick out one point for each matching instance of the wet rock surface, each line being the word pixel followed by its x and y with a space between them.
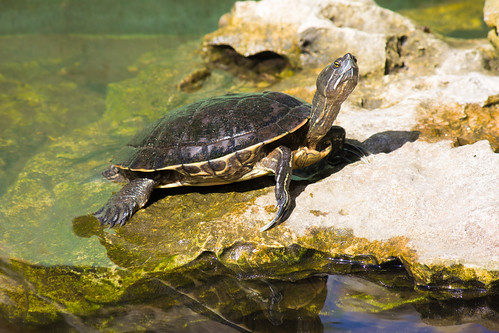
pixel 206 294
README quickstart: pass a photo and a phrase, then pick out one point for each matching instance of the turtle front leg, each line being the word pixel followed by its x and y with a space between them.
pixel 280 161
pixel 343 151
pixel 121 206
pixel 335 137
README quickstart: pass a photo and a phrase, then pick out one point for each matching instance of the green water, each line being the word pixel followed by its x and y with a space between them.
pixel 58 61
pixel 452 18
pixel 70 78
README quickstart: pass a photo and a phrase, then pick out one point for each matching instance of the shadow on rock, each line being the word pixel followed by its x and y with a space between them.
pixel 386 142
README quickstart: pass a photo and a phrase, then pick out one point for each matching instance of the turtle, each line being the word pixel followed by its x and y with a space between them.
pixel 232 138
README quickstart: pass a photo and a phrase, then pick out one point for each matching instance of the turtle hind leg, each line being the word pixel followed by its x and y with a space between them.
pixel 121 206
pixel 280 161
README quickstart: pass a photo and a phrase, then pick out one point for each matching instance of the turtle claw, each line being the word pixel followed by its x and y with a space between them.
pixel 115 213
pixel 124 216
pixel 358 151
pixel 114 220
pixel 283 204
pixel 269 225
pixel 350 153
pixel 120 208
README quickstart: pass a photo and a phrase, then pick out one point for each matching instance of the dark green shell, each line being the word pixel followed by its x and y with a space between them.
pixel 213 128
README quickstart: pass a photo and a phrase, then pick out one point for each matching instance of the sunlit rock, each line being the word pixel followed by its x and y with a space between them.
pixel 491 17
pixel 310 33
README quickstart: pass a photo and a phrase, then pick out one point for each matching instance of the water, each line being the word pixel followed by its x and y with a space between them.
pixel 70 73
pixel 452 18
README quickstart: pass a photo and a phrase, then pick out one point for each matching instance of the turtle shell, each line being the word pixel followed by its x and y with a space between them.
pixel 212 128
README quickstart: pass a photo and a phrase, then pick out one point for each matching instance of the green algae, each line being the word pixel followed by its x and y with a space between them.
pixel 459 19
pixel 40 296
pixel 55 181
pixel 35 113
pixel 88 298
pixel 47 181
pixel 456 281
pixel 158 234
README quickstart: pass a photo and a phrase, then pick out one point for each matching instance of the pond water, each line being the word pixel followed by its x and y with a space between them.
pixel 70 73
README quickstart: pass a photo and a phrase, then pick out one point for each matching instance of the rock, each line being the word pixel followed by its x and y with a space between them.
pixel 457 106
pixel 491 17
pixel 431 90
pixel 311 33
pixel 418 192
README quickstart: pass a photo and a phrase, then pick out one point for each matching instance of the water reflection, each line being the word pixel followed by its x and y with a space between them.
pixel 207 296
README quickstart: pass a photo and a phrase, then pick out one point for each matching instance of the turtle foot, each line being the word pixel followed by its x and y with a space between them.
pixel 280 161
pixel 120 208
pixel 283 204
pixel 114 212
pixel 349 153
pixel 356 152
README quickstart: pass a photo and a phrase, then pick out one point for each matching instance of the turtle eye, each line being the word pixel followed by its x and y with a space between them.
pixel 336 64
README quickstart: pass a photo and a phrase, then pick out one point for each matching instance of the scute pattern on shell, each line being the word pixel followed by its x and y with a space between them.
pixel 213 128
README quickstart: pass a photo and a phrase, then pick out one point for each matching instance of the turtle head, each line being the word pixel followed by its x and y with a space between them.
pixel 338 80
pixel 334 84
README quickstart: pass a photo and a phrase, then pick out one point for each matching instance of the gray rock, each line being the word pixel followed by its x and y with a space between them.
pixel 444 200
pixel 310 33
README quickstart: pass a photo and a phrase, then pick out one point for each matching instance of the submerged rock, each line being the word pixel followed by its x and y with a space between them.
pixel 207 295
